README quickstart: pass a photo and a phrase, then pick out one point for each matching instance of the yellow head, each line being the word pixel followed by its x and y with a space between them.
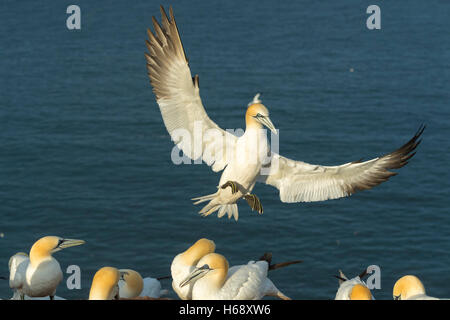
pixel 44 247
pixel 406 287
pixel 105 284
pixel 132 283
pixel 360 292
pixel 257 116
pixel 199 249
pixel 214 265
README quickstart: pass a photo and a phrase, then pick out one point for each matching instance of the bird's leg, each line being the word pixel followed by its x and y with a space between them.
pixel 22 296
pixel 253 202
pixel 52 297
pixel 232 185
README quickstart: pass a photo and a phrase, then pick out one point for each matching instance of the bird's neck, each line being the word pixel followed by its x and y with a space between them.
pixel 210 285
pixel 38 255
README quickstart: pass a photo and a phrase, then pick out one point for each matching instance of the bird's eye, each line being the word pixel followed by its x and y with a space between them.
pixel 205 266
pixel 259 115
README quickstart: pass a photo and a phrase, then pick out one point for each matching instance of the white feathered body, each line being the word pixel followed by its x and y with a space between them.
pixel 35 281
pixel 152 288
pixel 244 282
pixel 179 272
pixel 423 297
pixel 244 167
pixel 345 289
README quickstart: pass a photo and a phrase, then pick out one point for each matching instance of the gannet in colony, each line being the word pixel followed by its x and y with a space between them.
pixel 184 263
pixel 242 158
pixel 105 284
pixel 14 277
pixel 410 288
pixel 40 274
pixel 212 280
pixel 352 289
pixel 132 285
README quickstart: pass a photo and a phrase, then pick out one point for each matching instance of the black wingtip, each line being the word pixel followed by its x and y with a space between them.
pixel 340 278
pixel 363 274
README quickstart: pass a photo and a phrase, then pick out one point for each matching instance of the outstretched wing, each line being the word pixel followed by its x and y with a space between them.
pixel 303 182
pixel 177 95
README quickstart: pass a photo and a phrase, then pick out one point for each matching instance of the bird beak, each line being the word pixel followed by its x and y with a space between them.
pixel 195 275
pixel 66 243
pixel 268 123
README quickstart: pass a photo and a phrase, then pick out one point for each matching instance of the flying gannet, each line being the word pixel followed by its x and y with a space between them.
pixel 105 284
pixel 39 274
pixel 352 289
pixel 243 158
pixel 212 280
pixel 184 263
pixel 132 285
pixel 410 288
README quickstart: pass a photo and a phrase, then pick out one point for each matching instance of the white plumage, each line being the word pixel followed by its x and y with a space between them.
pixel 185 118
pixel 39 274
pixel 184 263
pixel 352 289
pixel 212 280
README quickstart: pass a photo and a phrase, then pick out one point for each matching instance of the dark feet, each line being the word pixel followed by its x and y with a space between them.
pixel 232 184
pixel 254 203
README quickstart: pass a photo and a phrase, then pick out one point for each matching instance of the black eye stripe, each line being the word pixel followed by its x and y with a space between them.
pixel 60 242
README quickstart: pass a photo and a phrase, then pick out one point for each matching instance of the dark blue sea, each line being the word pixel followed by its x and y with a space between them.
pixel 84 152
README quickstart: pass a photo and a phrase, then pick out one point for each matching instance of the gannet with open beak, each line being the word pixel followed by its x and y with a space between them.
pixel 242 158
pixel 39 274
pixel 212 280
pixel 184 263
pixel 105 284
pixel 409 287
pixel 352 289
pixel 132 285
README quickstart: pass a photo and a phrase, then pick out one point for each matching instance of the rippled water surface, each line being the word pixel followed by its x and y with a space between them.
pixel 84 152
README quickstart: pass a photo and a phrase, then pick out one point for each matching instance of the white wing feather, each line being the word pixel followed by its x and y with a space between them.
pixel 177 95
pixel 303 182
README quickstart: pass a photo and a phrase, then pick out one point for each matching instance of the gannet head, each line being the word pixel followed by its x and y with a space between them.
pixel 131 284
pixel 214 265
pixel 44 247
pixel 360 292
pixel 105 284
pixel 15 257
pixel 257 115
pixel 406 287
pixel 199 249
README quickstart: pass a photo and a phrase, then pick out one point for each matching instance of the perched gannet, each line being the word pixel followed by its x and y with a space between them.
pixel 243 158
pixel 212 280
pixel 184 263
pixel 352 289
pixel 15 277
pixel 40 274
pixel 132 285
pixel 410 288
pixel 105 284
